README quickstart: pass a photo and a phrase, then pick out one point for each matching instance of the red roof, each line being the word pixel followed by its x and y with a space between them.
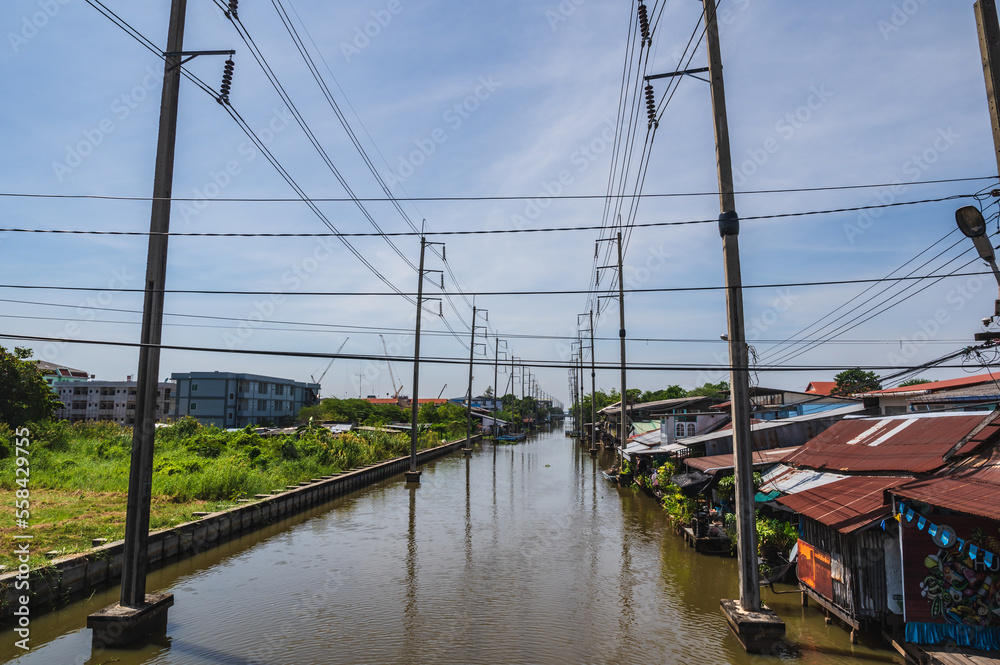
pixel 821 387
pixel 937 385
pixel 970 486
pixel 907 443
pixel 845 505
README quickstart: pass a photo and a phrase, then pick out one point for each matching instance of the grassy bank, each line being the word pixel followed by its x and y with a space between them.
pixel 79 474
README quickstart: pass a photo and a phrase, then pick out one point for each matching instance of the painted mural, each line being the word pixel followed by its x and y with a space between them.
pixel 947 579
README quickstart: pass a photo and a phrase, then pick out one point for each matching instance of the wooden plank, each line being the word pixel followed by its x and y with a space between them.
pixel 948 656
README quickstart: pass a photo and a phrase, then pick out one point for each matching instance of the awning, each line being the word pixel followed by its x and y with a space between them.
pixel 692 484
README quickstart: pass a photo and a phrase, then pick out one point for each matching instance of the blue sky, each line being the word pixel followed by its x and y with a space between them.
pixel 484 100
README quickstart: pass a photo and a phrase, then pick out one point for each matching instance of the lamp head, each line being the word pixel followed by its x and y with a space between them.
pixel 970 221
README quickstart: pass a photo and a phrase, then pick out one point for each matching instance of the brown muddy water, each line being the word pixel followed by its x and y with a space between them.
pixel 522 553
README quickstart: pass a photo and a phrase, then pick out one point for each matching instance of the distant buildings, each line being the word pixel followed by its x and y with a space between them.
pixel 108 400
pixel 231 400
pixel 55 374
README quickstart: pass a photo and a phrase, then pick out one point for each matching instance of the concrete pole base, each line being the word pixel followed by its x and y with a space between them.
pixel 593 452
pixel 757 631
pixel 467 451
pixel 118 626
pixel 412 476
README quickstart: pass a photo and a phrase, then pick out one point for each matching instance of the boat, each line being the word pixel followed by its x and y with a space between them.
pixel 610 477
pixel 511 437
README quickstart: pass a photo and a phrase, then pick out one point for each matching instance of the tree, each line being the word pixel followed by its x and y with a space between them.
pixel 24 395
pixel 853 381
pixel 719 389
pixel 914 382
pixel 488 392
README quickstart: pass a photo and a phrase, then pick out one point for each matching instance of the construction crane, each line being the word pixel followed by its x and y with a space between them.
pixel 391 376
pixel 330 363
pixel 442 390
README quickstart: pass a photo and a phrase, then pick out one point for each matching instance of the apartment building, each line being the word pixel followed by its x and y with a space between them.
pixel 109 400
pixel 231 400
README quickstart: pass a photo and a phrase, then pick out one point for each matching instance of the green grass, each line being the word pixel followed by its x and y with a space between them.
pixel 79 475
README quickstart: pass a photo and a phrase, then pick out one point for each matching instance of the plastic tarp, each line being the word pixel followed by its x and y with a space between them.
pixel 693 483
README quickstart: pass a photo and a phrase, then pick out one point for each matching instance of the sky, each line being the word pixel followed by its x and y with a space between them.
pixel 507 109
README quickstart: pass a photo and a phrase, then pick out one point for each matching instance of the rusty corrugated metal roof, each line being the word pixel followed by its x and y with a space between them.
pixel 970 486
pixel 845 505
pixel 718 462
pixel 911 444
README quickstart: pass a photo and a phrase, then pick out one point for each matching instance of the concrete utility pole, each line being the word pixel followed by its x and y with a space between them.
pixel 580 390
pixel 139 613
pixel 755 628
pixel 468 408
pixel 621 335
pixel 413 475
pixel 593 391
pixel 496 361
pixel 623 426
pixel 989 47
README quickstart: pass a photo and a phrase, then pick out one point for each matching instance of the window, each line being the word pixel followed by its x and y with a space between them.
pixel 194 387
pixel 229 416
pixel 679 430
pixel 193 407
pixel 231 396
pixel 692 429
pixel 262 405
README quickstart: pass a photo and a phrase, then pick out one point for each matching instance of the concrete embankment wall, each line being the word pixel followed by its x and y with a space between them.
pixel 70 576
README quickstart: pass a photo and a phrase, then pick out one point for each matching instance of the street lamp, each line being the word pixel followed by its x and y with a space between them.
pixel 970 222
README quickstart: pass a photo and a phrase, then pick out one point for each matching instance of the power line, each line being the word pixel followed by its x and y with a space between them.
pixel 683 367
pixel 267 326
pixel 512 197
pixel 336 234
pixel 552 292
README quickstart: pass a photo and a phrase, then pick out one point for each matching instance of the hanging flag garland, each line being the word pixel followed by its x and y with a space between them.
pixel 944 535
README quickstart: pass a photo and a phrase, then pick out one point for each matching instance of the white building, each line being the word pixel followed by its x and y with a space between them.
pixel 110 400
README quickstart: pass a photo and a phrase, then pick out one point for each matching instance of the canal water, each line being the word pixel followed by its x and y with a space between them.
pixel 520 553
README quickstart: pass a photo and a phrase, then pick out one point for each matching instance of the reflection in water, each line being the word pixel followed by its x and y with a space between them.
pixel 544 563
pixel 410 615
